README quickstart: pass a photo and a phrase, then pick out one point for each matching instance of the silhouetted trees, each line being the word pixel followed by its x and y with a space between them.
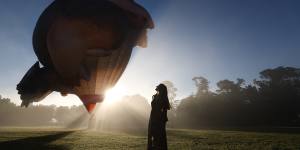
pixel 174 103
pixel 12 115
pixel 278 95
pixel 132 112
pixel 171 92
pixel 272 100
pixel 202 86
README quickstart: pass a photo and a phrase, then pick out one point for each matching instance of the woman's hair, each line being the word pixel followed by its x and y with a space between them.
pixel 163 94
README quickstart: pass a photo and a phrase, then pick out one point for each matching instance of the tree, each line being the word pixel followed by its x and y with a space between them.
pixel 4 100
pixel 171 92
pixel 279 94
pixel 202 86
pixel 273 100
pixel 227 86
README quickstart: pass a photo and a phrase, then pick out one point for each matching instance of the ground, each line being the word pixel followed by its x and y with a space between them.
pixel 60 139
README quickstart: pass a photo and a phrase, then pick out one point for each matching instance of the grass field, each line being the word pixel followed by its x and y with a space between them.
pixel 51 138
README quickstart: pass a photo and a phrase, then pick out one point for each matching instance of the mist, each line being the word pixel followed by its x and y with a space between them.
pixel 130 113
pixel 272 100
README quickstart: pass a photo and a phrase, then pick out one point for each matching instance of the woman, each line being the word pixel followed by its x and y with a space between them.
pixel 157 137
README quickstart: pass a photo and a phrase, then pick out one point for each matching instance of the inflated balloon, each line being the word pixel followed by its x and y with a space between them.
pixel 84 47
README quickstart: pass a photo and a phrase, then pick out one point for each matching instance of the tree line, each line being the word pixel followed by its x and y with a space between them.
pixel 130 113
pixel 271 100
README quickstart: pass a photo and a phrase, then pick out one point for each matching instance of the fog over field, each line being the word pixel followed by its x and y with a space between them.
pixel 270 101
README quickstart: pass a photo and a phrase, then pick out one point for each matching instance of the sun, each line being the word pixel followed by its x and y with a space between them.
pixel 114 94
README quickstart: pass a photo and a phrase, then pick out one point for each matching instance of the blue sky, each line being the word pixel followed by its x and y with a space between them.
pixel 216 39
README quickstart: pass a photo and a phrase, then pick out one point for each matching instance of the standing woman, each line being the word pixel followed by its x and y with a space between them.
pixel 157 137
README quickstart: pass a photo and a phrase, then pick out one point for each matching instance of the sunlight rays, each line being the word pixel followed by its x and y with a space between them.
pixel 114 94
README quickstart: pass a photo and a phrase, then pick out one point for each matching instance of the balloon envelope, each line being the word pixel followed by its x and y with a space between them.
pixel 84 47
pixel 83 52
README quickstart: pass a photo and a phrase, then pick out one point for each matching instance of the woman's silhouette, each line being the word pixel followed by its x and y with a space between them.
pixel 157 137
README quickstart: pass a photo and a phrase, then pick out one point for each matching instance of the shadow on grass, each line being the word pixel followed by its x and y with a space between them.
pixel 36 143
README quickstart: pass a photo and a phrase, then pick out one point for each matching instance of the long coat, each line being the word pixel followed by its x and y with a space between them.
pixel 157 139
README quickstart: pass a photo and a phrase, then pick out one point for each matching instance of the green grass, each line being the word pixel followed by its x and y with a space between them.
pixel 54 138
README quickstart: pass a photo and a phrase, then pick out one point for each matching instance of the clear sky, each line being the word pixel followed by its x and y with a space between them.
pixel 216 39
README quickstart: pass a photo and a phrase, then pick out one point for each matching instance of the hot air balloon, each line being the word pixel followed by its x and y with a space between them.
pixel 84 47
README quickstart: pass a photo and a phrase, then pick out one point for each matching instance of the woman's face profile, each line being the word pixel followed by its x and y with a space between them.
pixel 157 90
